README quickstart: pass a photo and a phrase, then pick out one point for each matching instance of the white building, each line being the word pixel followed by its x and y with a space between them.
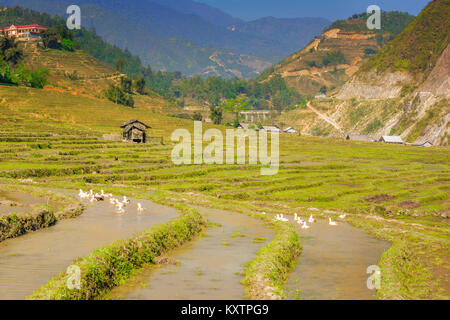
pixel 270 129
pixel 290 130
pixel 391 139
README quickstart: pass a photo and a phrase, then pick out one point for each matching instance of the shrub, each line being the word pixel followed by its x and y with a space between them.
pixel 119 96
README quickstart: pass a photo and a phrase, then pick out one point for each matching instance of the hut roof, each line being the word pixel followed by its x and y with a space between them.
pixel 134 126
pixel 271 128
pixel 360 137
pixel 131 122
pixel 246 126
pixel 392 139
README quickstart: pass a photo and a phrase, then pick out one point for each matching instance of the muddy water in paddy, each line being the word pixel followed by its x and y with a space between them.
pixel 334 262
pixel 24 202
pixel 28 262
pixel 207 268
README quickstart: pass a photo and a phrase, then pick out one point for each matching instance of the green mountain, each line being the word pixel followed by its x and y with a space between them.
pixel 402 90
pixel 331 59
pixel 419 46
pixel 181 36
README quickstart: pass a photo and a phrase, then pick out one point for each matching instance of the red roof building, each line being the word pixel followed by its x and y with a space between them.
pixel 23 31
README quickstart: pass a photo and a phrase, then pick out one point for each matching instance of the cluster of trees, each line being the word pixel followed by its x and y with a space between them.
pixel 58 37
pixel 333 58
pixel 122 94
pixel 393 22
pixel 212 91
pixel 12 70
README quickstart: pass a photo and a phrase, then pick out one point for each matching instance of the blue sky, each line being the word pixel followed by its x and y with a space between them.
pixel 331 9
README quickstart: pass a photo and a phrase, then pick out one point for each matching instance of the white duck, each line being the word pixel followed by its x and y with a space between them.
pixel 125 200
pixel 331 223
pixel 311 219
pixel 139 207
pixel 342 216
pixel 82 194
pixel 305 226
pixel 119 206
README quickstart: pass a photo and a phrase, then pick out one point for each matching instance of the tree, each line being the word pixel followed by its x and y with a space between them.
pixel 140 85
pixel 323 90
pixel 50 38
pixel 10 51
pixel 119 96
pixel 236 106
pixel 126 84
pixel 197 116
pixel 216 114
pixel 120 63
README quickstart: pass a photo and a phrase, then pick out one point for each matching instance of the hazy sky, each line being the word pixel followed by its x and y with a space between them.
pixel 331 9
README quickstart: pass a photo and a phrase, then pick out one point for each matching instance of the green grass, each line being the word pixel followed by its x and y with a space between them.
pixel 322 173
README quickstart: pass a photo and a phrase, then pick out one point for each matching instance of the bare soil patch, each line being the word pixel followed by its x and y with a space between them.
pixel 378 198
pixel 408 205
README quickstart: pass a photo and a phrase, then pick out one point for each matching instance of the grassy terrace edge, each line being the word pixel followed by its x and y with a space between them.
pixel 17 224
pixel 109 266
pixel 266 274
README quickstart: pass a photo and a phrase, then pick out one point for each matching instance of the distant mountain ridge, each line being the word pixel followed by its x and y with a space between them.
pixel 333 57
pixel 184 39
pixel 402 90
pixel 204 11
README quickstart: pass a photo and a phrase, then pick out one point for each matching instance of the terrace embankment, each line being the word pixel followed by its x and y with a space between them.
pixel 334 262
pixel 207 268
pixel 32 209
pixel 28 262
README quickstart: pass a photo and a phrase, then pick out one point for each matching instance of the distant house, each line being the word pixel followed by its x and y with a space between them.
pixel 360 137
pixel 425 144
pixel 270 129
pixel 135 131
pixel 320 96
pixel 246 126
pixel 29 35
pixel 391 139
pixel 29 31
pixel 290 130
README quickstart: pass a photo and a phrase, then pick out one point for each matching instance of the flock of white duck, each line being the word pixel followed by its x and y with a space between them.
pixel 119 205
pixel 304 223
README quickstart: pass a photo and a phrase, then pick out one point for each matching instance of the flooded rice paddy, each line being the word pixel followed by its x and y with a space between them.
pixel 209 268
pixel 334 262
pixel 30 261
pixel 16 202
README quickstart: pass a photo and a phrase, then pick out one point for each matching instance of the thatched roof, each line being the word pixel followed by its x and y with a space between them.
pixel 134 126
pixel 135 122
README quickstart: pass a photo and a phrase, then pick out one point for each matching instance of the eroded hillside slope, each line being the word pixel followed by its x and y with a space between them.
pixel 402 90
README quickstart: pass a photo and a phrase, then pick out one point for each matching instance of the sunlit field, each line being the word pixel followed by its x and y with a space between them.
pixel 396 193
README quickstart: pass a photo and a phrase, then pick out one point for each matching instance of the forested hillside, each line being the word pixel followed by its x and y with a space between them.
pixel 332 58
pixel 182 36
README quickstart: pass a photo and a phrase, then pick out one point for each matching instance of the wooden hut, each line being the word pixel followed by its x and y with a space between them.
pixel 135 131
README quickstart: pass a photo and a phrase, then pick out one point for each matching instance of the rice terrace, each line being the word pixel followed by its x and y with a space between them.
pixel 94 206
